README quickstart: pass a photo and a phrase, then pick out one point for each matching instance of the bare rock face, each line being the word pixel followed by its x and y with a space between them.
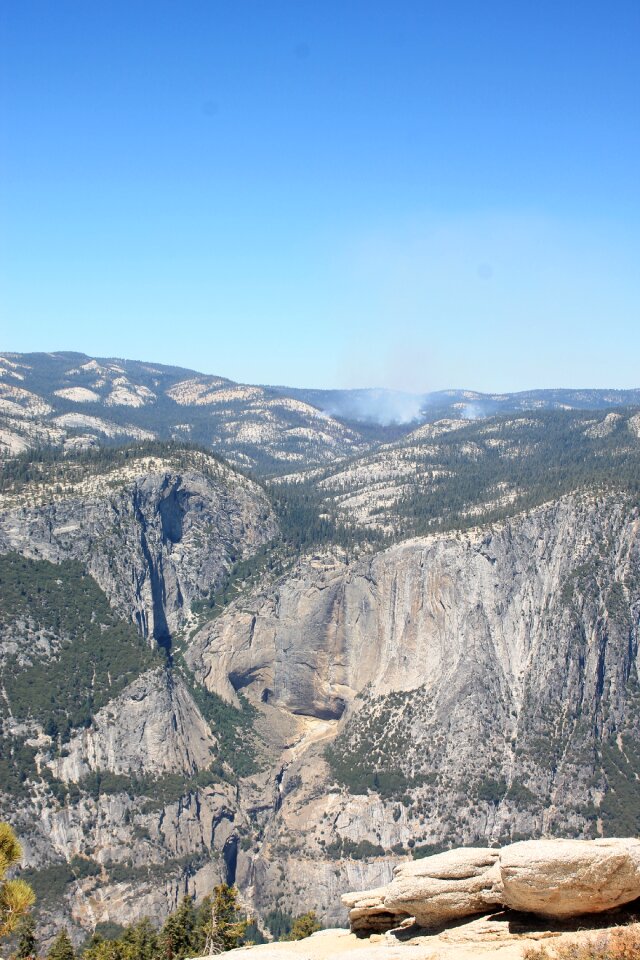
pixel 451 658
pixel 155 533
pixel 152 728
pixel 445 887
pixel 567 878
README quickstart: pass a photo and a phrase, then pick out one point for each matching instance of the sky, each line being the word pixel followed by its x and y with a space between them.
pixel 398 193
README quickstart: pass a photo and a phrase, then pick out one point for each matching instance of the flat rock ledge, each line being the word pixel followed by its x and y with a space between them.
pixel 556 879
pixel 497 937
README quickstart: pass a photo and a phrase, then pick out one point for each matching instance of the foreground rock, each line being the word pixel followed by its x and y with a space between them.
pixel 567 878
pixel 445 887
pixel 551 878
pixel 501 936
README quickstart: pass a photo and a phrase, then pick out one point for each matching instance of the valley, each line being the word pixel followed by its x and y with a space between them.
pixel 247 639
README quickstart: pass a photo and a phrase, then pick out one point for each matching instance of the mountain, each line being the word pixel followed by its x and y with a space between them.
pixel 74 400
pixel 77 401
pixel 451 473
pixel 471 687
pixel 359 654
pixel 389 407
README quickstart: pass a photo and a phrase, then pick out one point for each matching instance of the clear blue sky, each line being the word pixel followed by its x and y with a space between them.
pixel 419 194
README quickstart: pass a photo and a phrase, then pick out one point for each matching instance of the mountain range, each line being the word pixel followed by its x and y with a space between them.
pixel 289 638
pixel 72 399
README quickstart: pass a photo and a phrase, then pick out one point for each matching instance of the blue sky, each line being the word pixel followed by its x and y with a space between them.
pixel 406 194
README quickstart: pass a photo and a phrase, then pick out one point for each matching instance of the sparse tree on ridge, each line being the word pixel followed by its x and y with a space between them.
pixel 227 927
pixel 177 937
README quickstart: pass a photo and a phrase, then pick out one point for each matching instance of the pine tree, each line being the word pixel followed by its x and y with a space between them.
pixel 141 940
pixel 61 948
pixel 27 941
pixel 100 949
pixel 177 937
pixel 227 926
pixel 202 931
pixel 16 896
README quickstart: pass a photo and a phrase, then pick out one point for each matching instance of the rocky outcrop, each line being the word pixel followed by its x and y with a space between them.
pixel 499 937
pixel 447 886
pixel 434 890
pixel 568 878
pixel 550 878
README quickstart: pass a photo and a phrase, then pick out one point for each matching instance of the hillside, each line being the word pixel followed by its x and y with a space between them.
pixel 455 473
pixel 73 400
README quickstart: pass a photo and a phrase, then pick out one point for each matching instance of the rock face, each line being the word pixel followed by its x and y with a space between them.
pixel 567 878
pixel 470 688
pixel 434 890
pixel 489 677
pixel 153 727
pixel 138 792
pixel 154 532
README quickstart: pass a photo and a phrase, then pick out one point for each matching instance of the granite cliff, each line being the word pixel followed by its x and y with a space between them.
pixel 155 530
pixel 468 686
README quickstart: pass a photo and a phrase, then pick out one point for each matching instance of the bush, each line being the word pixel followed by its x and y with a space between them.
pixel 303 926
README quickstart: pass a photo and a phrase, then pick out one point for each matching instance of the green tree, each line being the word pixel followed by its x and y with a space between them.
pixel 61 948
pixel 303 926
pixel 27 941
pixel 177 937
pixel 141 940
pixel 101 949
pixel 227 927
pixel 16 896
pixel 278 922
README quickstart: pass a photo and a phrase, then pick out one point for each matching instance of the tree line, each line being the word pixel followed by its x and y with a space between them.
pixel 216 925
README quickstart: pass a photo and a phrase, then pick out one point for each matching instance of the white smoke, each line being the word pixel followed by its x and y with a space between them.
pixel 384 407
pixel 472 411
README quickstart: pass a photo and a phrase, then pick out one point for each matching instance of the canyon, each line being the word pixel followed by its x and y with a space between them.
pixel 298 682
